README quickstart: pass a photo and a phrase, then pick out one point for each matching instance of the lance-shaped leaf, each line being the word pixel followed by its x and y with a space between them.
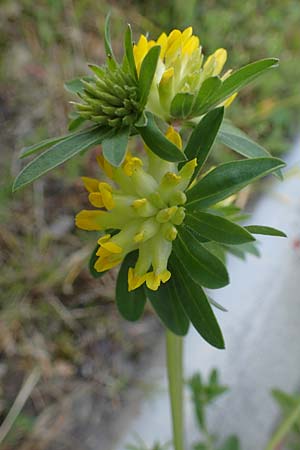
pixel 60 153
pixel 206 91
pixel 228 178
pixel 76 86
pixel 130 304
pixel 168 307
pixel 43 145
pixel 181 105
pixel 129 52
pixel 203 267
pixel 111 61
pixel 238 141
pixel 196 305
pixel 158 143
pixel 268 231
pixel 216 228
pixel 114 147
pixel 237 81
pixel 147 72
pixel 203 137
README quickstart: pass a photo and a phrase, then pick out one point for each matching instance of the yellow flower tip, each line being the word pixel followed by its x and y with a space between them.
pixel 153 280
pixel 191 45
pixel 102 185
pixel 89 220
pixel 132 166
pixel 104 239
pixel 187 33
pixel 139 203
pixel 91 184
pixel 134 281
pixel 169 232
pixel 95 198
pixel 106 195
pixel 174 137
pixel 179 216
pixel 228 102
pixel 167 75
pixel 165 215
pixel 105 263
pixel 111 247
pixel 171 179
pixel 139 237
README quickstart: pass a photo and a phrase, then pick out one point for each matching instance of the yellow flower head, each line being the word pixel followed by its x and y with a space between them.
pixel 143 208
pixel 180 68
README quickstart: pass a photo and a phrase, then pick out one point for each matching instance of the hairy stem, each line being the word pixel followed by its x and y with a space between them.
pixel 174 347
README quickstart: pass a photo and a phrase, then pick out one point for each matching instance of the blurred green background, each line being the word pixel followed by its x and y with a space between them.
pixel 52 313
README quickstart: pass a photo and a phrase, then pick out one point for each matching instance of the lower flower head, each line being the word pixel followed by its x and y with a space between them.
pixel 143 208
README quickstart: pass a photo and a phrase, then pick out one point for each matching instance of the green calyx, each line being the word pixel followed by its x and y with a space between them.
pixel 111 98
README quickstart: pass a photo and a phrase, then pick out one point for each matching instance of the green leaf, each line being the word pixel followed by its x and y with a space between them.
pixel 130 304
pixel 98 71
pixel 31 149
pixel 129 52
pixel 241 250
pixel 76 123
pixel 216 228
pixel 206 91
pixel 181 105
pixel 147 72
pixel 158 143
pixel 203 137
pixel 237 81
pixel 196 305
pixel 238 141
pixel 111 61
pixel 60 153
pixel 75 86
pixel 92 262
pixel 228 178
pixel 269 231
pixel 203 267
pixel 167 306
pixel 114 147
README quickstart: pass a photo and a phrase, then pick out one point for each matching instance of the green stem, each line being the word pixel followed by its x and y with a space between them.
pixel 174 347
pixel 284 428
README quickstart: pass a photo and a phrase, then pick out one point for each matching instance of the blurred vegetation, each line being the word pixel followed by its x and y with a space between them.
pixel 52 313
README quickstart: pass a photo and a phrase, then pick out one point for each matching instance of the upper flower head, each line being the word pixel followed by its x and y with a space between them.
pixel 180 68
pixel 143 208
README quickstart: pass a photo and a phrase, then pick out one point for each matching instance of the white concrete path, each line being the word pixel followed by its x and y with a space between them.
pixel 261 329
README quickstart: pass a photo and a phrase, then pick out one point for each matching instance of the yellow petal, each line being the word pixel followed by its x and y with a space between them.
pixel 191 45
pixel 95 198
pixel 134 281
pixel 174 137
pixel 221 57
pixel 230 100
pixel 167 75
pixel 91 184
pixel 89 220
pixel 165 276
pixel 112 247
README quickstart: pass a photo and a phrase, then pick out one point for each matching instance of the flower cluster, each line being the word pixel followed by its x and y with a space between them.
pixel 143 212
pixel 180 68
